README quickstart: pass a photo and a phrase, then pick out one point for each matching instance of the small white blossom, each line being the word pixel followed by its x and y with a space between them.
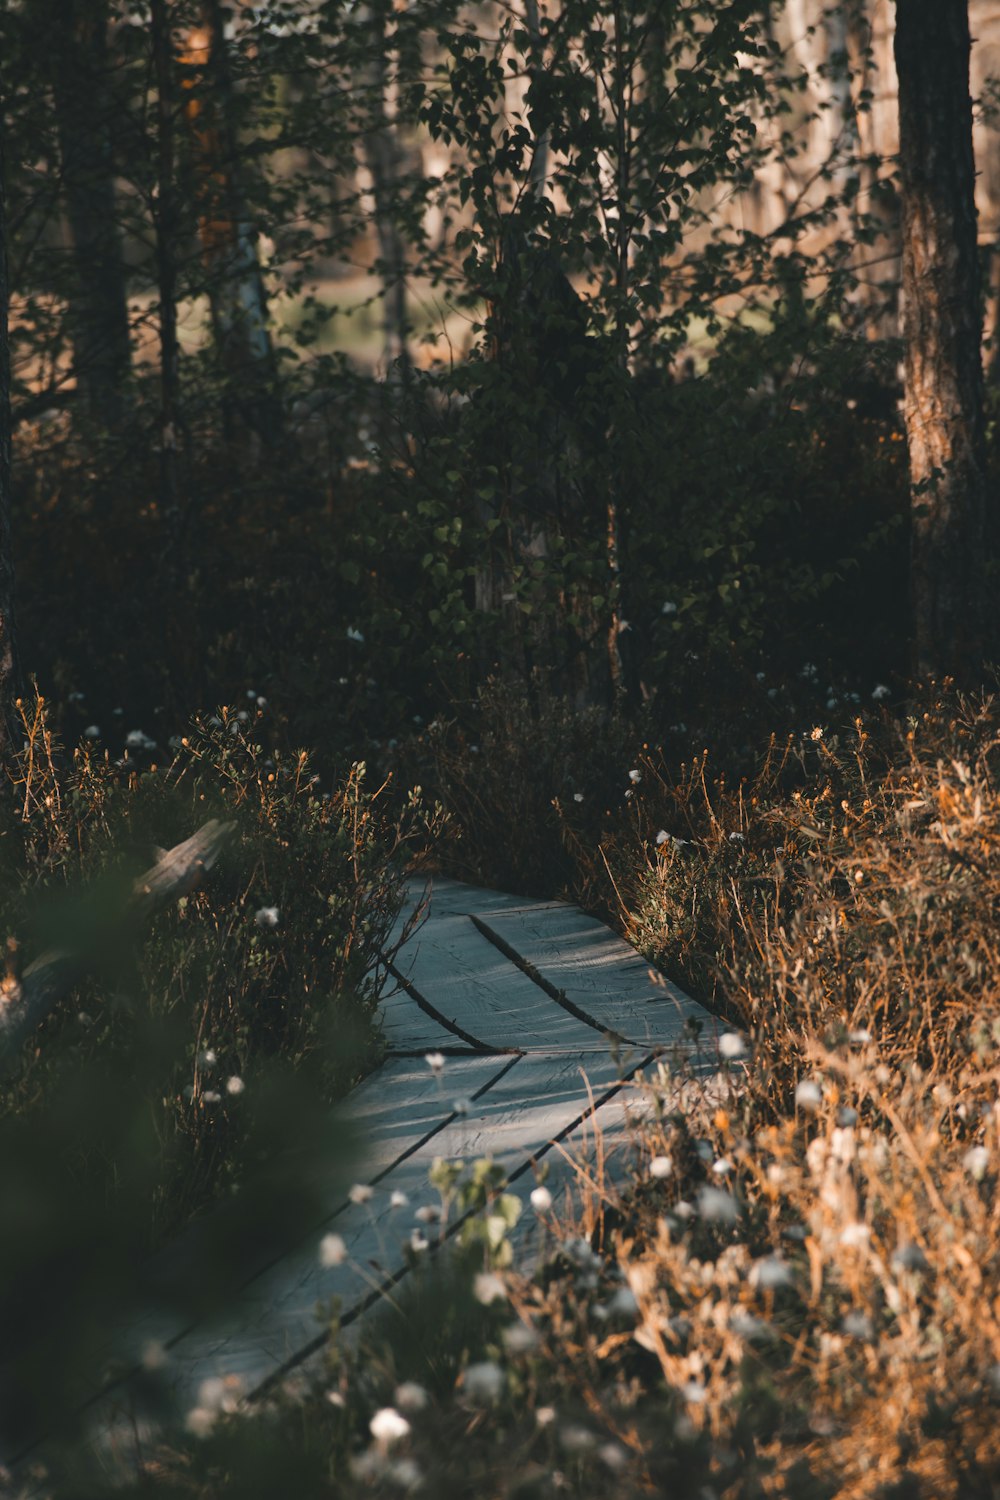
pixel 410 1396
pixel 398 1199
pixel 235 1085
pixel 208 1058
pixel 353 634
pixel 769 1273
pixel 661 1166
pixel 545 1416
pixel 361 1193
pixel 518 1338
pixel 613 1456
pixel 855 1235
pixel 668 607
pixel 576 1439
pixel 623 1304
pixel 880 691
pixel 211 1096
pixel 137 740
pixel 857 1325
pixel 484 1382
pixel 461 1106
pixel 92 732
pixel 577 796
pixel 695 1392
pixel 388 1426
pixel 404 1474
pixel 488 1287
pixel 808 1095
pixel 200 1421
pixel 430 1213
pixel 717 1206
pixel 434 1060
pixel 731 1046
pixel 722 1167
pixel 635 775
pixel 975 1161
pixel 662 837
pixel 541 1200
pixel 860 1036
pixel 267 916
pixel 418 1242
pixel 332 1251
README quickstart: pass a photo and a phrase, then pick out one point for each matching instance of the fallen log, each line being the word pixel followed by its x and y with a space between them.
pixel 26 999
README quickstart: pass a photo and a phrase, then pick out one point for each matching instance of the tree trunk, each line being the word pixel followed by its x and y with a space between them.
pixel 77 44
pixel 228 242
pixel 943 402
pixel 382 158
pixel 8 640
pixel 165 230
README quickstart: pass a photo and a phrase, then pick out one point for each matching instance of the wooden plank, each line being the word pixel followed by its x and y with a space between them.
pixel 600 974
pixel 273 1322
pixel 407 1028
pixel 470 983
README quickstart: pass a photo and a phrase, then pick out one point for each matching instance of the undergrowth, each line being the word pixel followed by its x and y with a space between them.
pixel 794 1290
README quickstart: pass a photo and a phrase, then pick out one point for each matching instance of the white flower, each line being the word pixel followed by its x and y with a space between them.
pixel 267 916
pixel 634 775
pixel 857 1325
pixel 694 1392
pixel 353 634
pixel 722 1167
pixel 769 1273
pixel 208 1058
pixel 575 1439
pixel 410 1396
pixel 332 1251
pixel 661 1166
pixel 808 1095
pixel 717 1206
pixel 735 838
pixel 430 1213
pixel 545 1416
pixel 668 607
pixel 360 1193
pixel 404 1474
pixel 92 732
pixel 623 1304
pixel 860 1036
pixel 854 1236
pixel 461 1106
pixel 210 1096
pixel 541 1200
pixel 434 1060
pixel 488 1287
pixel 398 1199
pixel 880 691
pixel 613 1456
pixel 731 1046
pixel 577 796
pixel 235 1085
pixel 137 740
pixel 484 1382
pixel 388 1426
pixel 518 1338
pixel 199 1421
pixel 975 1161
pixel 418 1242
pixel 662 837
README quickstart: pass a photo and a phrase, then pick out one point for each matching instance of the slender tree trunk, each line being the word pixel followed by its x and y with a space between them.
pixel 165 230
pixel 944 383
pixel 9 683
pixel 228 241
pixel 77 46
pixel 382 157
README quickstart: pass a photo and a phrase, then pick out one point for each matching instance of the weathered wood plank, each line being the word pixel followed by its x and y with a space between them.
pixel 458 971
pixel 599 973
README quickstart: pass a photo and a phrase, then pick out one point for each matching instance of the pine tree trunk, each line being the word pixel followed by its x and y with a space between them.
pixel 8 640
pixel 944 384
pixel 165 232
pixel 77 42
pixel 228 241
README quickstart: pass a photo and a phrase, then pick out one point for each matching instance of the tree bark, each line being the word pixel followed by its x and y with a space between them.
pixel 235 285
pixel 165 230
pixel 8 639
pixel 382 158
pixel 944 383
pixel 77 46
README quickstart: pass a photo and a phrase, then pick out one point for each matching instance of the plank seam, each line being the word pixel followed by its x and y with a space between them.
pixel 452 1026
pixel 359 1309
pixel 559 996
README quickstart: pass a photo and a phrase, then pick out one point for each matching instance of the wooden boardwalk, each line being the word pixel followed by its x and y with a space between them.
pixel 541 1016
